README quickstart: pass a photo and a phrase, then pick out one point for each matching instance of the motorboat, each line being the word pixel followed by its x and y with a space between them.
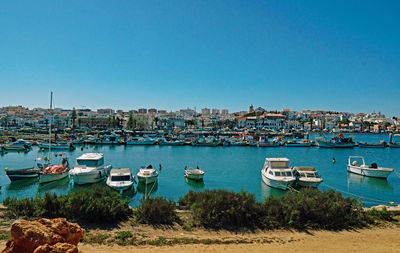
pixel 277 173
pixel 19 145
pixel 356 164
pixel 194 174
pixel 141 141
pixel 393 144
pixel 381 144
pixel 55 172
pixel 307 176
pixel 147 175
pixel 90 168
pixel 120 179
pixel 338 141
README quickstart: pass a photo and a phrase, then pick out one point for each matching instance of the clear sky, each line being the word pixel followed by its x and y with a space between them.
pixel 333 55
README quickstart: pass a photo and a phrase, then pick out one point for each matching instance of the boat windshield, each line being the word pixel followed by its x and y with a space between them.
pixel 90 163
pixel 310 174
pixel 279 164
pixel 121 178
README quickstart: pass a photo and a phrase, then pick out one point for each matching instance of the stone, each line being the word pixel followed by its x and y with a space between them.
pixel 27 236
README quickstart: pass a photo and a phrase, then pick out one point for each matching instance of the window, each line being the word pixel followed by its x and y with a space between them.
pixel 120 178
pixel 310 175
pixel 288 173
pixel 279 164
pixel 88 163
pixel 277 173
pixel 270 172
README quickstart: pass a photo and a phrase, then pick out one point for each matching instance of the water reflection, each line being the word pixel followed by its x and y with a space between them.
pixel 266 191
pixel 147 189
pixel 196 184
pixel 59 185
pixel 370 182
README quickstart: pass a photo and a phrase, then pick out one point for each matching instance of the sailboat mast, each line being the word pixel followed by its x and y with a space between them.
pixel 51 120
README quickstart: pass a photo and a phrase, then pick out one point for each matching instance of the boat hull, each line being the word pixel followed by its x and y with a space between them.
pixel 194 176
pixel 46 178
pixel 308 183
pixel 366 145
pixel 377 173
pixel 119 186
pixel 90 177
pixel 147 180
pixel 323 144
pixel 298 144
pixel 15 175
pixel 282 185
pixel 140 143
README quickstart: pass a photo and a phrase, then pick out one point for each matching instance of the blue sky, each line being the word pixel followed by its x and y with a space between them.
pixel 333 55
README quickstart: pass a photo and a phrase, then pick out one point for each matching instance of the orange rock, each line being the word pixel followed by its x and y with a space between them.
pixel 29 235
pixel 57 248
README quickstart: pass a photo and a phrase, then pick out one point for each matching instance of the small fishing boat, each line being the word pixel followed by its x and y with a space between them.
pixel 55 172
pixel 194 174
pixel 120 179
pixel 205 142
pixel 19 174
pixel 394 145
pixel 277 173
pixel 263 142
pixel 147 175
pixel 307 176
pixel 338 141
pixel 356 164
pixel 381 144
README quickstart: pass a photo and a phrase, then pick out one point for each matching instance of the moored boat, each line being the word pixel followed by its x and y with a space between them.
pixel 338 141
pixel 147 175
pixel 19 174
pixel 55 172
pixel 120 179
pixel 381 144
pixel 194 174
pixel 307 176
pixel 356 164
pixel 90 168
pixel 277 173
pixel 304 143
pixel 140 141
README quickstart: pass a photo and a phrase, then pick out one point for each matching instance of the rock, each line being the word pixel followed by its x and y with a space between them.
pixel 57 248
pixel 27 236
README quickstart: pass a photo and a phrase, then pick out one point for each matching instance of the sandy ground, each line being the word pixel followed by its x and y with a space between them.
pixel 366 240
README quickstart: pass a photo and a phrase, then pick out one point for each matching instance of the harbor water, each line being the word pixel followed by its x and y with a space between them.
pixel 229 168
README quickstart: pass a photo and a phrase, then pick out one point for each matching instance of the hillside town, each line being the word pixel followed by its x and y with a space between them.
pixel 286 120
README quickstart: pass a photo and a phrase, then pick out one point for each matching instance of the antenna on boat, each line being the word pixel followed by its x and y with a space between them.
pixel 51 119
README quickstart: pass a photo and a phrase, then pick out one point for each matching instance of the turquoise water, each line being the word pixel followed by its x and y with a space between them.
pixel 230 168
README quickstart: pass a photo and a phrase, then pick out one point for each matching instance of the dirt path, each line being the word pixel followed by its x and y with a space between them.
pixel 366 240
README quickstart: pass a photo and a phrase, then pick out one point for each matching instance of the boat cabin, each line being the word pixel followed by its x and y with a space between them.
pixel 90 160
pixel 118 175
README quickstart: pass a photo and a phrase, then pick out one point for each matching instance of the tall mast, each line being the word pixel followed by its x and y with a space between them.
pixel 51 119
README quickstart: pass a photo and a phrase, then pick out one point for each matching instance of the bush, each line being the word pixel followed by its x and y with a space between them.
pixel 224 209
pixel 383 215
pixel 311 208
pixel 156 211
pixel 98 204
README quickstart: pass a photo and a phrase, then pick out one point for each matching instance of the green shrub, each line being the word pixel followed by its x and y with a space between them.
pixel 382 215
pixel 156 211
pixel 224 209
pixel 98 204
pixel 311 208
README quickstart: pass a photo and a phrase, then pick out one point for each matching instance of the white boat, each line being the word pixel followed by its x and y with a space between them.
pixel 120 179
pixel 307 176
pixel 56 146
pixel 147 175
pixel 90 168
pixel 338 141
pixel 54 173
pixel 357 165
pixel 19 145
pixel 277 173
pixel 194 174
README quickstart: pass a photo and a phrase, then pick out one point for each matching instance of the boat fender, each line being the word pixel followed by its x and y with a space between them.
pixel 6 169
pixel 333 160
